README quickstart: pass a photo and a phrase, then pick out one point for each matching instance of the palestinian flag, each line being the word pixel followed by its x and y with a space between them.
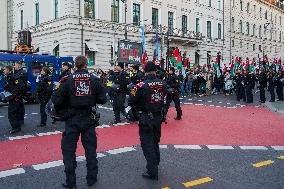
pixel 236 62
pixel 144 58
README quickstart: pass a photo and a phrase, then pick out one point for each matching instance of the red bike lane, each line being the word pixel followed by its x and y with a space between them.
pixel 201 125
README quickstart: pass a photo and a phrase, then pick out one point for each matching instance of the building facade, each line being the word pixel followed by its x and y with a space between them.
pixel 255 29
pixel 200 28
pixel 3 25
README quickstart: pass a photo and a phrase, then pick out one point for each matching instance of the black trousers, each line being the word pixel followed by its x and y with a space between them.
pixel 150 134
pixel 118 105
pixel 249 95
pixel 279 91
pixel 175 98
pixel 15 113
pixel 43 116
pixel 262 94
pixel 74 127
pixel 272 93
pixel 22 113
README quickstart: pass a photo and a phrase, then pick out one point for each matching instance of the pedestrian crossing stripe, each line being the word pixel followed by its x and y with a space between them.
pixel 197 182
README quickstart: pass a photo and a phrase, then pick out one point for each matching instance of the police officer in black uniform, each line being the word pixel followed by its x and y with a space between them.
pixel 65 71
pixel 262 80
pixel 137 76
pixel 279 85
pixel 21 75
pixel 249 85
pixel 271 84
pixel 173 86
pixel 149 96
pixel 121 80
pixel 238 80
pixel 82 91
pixel 14 85
pixel 44 91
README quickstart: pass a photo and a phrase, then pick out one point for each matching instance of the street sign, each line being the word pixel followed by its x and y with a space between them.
pixel 129 52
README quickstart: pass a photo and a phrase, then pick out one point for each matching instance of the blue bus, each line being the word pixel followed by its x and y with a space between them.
pixel 32 64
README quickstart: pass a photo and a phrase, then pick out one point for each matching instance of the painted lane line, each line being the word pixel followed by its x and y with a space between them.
pixel 198 104
pixel 232 107
pixel 218 106
pixel 103 126
pixel 209 101
pixel 2 116
pixel 100 155
pixel 220 147
pixel 34 113
pixel 21 137
pixel 200 100
pixel 48 165
pixel 280 157
pixel 229 103
pixel 120 150
pixel 163 146
pixel 192 147
pixel 238 104
pixel 105 108
pixel 190 99
pixel 253 148
pixel 261 164
pixel 188 103
pixel 11 172
pixel 121 124
pixel 166 187
pixel 49 133
pixel 197 182
pixel 220 102
pixel 243 105
pixel 278 147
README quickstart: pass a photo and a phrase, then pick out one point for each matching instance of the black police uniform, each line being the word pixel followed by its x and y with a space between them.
pixel 249 85
pixel 262 80
pixel 16 104
pixel 82 91
pixel 271 85
pixel 22 76
pixel 119 94
pixel 279 86
pixel 44 91
pixel 173 86
pixel 240 87
pixel 150 99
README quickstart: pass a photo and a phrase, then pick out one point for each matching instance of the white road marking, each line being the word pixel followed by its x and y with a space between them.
pixel 232 107
pixel 48 165
pixel 100 155
pixel 121 124
pixel 253 148
pixel 198 104
pixel 103 126
pixel 218 106
pixel 11 172
pixel 220 102
pixel 211 105
pixel 278 147
pixel 228 103
pixel 220 147
pixel 238 104
pixel 49 133
pixel 163 146
pixel 106 108
pixel 80 158
pixel 34 113
pixel 188 103
pixel 192 147
pixel 190 99
pixel 209 101
pixel 21 137
pixel 243 105
pixel 2 116
pixel 200 100
pixel 120 150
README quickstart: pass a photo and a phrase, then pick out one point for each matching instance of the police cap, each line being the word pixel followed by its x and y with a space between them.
pixel 150 67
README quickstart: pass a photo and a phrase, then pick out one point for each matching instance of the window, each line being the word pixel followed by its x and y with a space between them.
pixel 209 3
pixel 259 48
pixel 280 36
pixel 241 43
pixel 155 17
pixel 260 31
pixel 254 9
pixel 265 15
pixel 247 28
pixel 184 24
pixel 171 22
pixel 55 9
pixel 56 51
pixel 260 12
pixel 197 25
pixel 219 31
pixel 37 14
pixel 233 24
pixel 280 20
pixel 219 4
pixel 248 7
pixel 233 3
pixel 90 55
pixel 253 47
pixel 21 19
pixel 89 6
pixel 209 29
pixel 241 4
pixel 136 14
pixel 247 45
pixel 115 11
pixel 253 30
pixel 241 26
pixel 233 43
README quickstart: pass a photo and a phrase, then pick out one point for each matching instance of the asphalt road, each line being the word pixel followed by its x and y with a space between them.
pixel 227 169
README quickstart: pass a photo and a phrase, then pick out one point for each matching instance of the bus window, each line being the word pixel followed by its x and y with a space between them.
pixel 37 66
pixel 11 63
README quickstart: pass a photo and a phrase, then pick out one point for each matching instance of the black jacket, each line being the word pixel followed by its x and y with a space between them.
pixel 44 89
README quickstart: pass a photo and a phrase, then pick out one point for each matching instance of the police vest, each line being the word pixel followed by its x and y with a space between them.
pixel 82 93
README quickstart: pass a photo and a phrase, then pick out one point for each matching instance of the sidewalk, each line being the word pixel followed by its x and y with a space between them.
pixel 277 106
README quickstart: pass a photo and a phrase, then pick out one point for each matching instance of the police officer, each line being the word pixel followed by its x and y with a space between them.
pixel 14 85
pixel 137 75
pixel 82 91
pixel 249 85
pixel 271 84
pixel 121 80
pixel 149 96
pixel 173 86
pixel 21 75
pixel 262 80
pixel 44 91
pixel 279 85
pixel 65 71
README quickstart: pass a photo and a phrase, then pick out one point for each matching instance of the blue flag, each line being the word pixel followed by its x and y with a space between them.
pixel 143 38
